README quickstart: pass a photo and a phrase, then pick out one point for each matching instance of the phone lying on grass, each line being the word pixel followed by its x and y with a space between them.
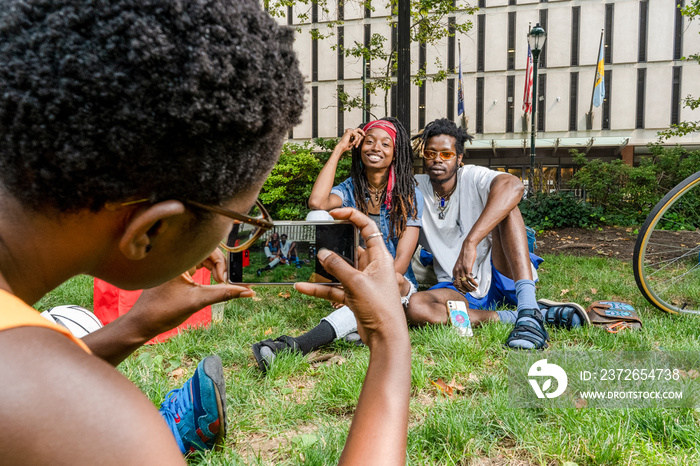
pixel 287 253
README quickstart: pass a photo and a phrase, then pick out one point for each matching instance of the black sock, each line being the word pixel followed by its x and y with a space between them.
pixel 318 336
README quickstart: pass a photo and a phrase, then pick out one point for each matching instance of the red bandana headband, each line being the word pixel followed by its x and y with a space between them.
pixel 385 125
pixel 391 130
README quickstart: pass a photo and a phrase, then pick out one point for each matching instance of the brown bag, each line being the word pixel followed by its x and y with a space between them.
pixel 613 316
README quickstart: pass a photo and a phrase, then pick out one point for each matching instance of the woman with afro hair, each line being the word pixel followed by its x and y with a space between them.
pixel 133 135
pixel 382 186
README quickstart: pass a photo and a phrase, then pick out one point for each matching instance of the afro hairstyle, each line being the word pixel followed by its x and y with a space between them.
pixel 448 127
pixel 113 100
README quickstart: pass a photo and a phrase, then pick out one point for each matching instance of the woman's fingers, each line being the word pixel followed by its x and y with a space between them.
pixel 368 231
pixel 330 293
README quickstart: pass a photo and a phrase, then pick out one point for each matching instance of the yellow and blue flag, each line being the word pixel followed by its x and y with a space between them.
pixel 599 87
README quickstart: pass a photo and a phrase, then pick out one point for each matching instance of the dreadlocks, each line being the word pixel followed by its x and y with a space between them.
pixel 447 127
pixel 403 197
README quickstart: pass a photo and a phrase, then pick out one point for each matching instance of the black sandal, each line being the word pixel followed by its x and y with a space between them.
pixel 282 343
pixel 562 315
pixel 526 330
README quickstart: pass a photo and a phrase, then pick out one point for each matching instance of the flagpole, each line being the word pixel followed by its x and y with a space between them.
pixel 589 115
pixel 461 85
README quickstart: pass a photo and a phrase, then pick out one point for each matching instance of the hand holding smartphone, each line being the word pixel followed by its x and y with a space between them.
pixel 287 253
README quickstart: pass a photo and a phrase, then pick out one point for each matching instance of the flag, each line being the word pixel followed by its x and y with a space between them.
pixel 527 96
pixel 460 92
pixel 599 87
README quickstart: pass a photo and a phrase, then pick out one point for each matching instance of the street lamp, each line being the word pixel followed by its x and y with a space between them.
pixel 535 39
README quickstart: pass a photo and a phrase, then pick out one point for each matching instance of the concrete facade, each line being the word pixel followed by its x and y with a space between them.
pixel 645 75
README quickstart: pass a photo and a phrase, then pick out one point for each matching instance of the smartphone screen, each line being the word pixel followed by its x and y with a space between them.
pixel 286 254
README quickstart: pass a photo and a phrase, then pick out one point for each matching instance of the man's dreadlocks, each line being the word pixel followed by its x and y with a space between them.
pixel 447 127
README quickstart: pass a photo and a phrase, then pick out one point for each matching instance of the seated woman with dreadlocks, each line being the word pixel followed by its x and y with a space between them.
pixel 382 186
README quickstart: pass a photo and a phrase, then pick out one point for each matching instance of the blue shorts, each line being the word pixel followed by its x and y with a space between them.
pixel 501 292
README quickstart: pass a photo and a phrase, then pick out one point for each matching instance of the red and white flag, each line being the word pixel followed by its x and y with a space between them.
pixel 527 97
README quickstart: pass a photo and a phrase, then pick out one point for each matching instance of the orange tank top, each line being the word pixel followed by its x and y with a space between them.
pixel 16 313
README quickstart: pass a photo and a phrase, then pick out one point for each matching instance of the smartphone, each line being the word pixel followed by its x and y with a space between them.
pixel 459 316
pixel 286 254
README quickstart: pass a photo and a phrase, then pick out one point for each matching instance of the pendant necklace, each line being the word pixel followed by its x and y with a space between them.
pixel 441 202
pixel 376 192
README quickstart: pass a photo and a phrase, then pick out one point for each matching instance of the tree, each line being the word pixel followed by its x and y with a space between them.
pixel 429 26
pixel 286 191
pixel 690 11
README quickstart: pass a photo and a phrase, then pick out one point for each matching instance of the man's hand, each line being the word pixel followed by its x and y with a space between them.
pixel 464 279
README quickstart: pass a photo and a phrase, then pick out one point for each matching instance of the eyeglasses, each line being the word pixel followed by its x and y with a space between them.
pixel 444 155
pixel 247 228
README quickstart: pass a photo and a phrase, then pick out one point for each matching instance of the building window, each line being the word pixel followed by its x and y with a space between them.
pixel 512 2
pixel 510 103
pixel 341 10
pixel 341 113
pixel 678 32
pixel 511 40
pixel 482 3
pixel 341 52
pixel 368 8
pixel 643 15
pixel 392 97
pixel 451 99
pixel 575 33
pixel 314 12
pixel 573 101
pixel 543 52
pixel 480 105
pixel 394 41
pixel 641 88
pixel 451 45
pixel 609 12
pixel 290 15
pixel 607 100
pixel 368 39
pixel 480 41
pixel 676 96
pixel 314 111
pixel 314 59
pixel 451 68
pixel 541 101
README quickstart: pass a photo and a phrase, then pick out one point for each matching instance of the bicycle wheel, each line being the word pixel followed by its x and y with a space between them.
pixel 666 257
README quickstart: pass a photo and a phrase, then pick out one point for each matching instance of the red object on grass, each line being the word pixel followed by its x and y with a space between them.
pixel 111 302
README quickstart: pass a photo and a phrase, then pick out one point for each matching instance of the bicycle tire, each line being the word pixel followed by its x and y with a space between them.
pixel 666 257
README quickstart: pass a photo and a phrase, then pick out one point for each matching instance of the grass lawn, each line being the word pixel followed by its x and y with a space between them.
pixel 300 411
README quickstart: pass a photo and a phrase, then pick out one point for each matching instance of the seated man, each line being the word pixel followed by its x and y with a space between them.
pixel 473 228
pixel 289 251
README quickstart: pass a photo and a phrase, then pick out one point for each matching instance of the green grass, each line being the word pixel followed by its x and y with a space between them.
pixel 300 412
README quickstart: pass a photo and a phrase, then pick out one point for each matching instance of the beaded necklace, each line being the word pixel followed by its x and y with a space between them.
pixel 441 202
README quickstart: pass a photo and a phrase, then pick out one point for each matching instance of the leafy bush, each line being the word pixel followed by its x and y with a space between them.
pixel 627 194
pixel 543 211
pixel 286 191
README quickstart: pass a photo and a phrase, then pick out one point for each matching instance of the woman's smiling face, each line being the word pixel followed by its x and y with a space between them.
pixel 377 149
